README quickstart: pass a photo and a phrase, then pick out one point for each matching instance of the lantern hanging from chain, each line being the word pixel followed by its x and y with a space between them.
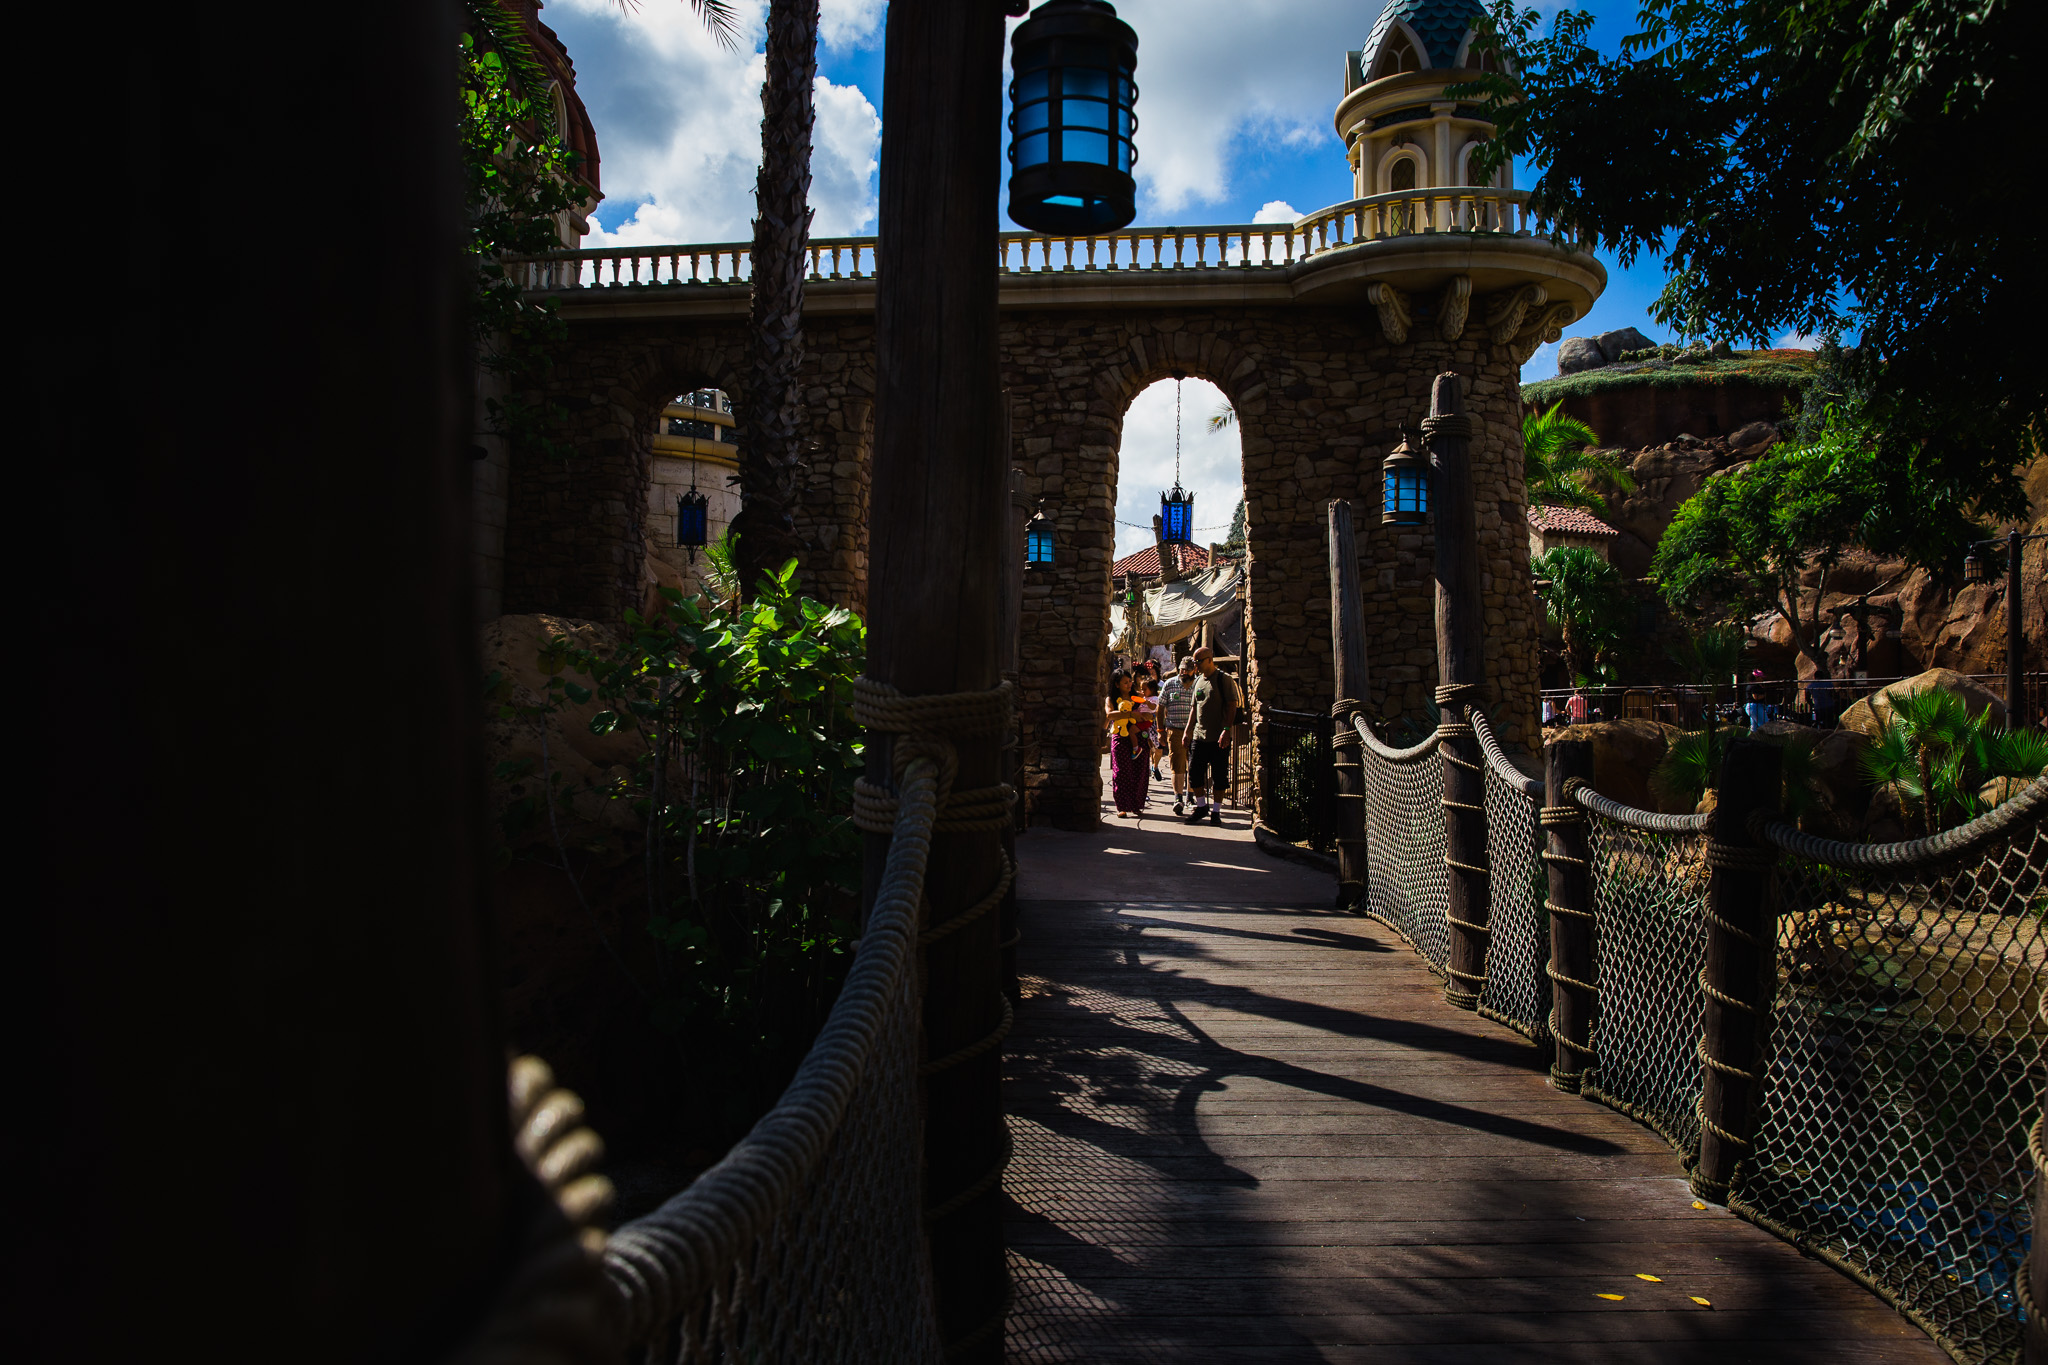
pixel 1177 508
pixel 693 518
pixel 1406 476
pixel 1072 119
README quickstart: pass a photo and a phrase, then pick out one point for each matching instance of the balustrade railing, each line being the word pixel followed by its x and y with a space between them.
pixel 1239 246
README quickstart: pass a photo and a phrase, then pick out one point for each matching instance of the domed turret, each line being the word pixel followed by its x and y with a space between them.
pixel 1399 131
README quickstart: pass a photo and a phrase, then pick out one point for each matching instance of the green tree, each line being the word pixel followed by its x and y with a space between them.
pixel 1561 464
pixel 1581 593
pixel 1748 537
pixel 1829 166
pixel 1707 658
pixel 1236 537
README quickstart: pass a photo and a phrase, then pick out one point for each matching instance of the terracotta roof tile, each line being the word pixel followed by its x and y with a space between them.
pixel 1572 521
pixel 1146 562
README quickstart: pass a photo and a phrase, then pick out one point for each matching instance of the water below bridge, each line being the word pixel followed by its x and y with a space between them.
pixel 1248 1128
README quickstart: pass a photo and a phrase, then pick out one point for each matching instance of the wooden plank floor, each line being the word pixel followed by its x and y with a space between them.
pixel 1255 1132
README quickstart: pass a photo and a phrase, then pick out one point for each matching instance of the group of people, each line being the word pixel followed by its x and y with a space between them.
pixel 1186 719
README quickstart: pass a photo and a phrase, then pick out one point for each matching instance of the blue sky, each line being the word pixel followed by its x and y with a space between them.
pixel 1235 125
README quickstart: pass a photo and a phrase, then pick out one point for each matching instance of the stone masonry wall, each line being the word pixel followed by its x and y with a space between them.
pixel 1320 396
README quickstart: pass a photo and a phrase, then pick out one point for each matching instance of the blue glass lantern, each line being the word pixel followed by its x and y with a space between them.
pixel 1072 119
pixel 1406 472
pixel 1038 543
pixel 1177 516
pixel 693 522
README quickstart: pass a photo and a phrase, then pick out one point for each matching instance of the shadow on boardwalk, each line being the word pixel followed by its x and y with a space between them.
pixel 1254 1131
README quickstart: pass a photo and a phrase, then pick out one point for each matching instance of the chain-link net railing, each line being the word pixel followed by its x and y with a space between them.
pixel 1517 993
pixel 1298 788
pixel 1906 1070
pixel 1408 887
pixel 805 1244
pixel 1649 942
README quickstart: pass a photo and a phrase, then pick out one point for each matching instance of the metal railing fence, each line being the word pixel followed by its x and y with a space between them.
pixel 1297 785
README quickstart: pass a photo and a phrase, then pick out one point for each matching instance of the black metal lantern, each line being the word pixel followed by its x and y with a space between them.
pixel 1975 570
pixel 1038 543
pixel 1177 516
pixel 1071 119
pixel 1406 472
pixel 693 522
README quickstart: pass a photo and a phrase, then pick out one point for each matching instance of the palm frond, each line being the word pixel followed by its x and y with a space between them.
pixel 1224 418
pixel 718 16
pixel 506 34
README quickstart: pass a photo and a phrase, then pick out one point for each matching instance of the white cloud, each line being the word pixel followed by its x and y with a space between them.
pixel 1211 463
pixel 1798 341
pixel 1542 364
pixel 679 124
pixel 851 23
pixel 1278 211
pixel 1217 78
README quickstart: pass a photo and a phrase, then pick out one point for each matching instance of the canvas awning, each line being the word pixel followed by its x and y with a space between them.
pixel 1174 611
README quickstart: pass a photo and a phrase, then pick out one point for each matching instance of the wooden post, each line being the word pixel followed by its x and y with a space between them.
pixel 2016 710
pixel 935 579
pixel 1741 964
pixel 1461 670
pixel 1347 648
pixel 1574 991
pixel 1008 648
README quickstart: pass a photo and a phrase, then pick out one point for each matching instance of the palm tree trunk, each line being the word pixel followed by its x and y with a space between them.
pixel 771 457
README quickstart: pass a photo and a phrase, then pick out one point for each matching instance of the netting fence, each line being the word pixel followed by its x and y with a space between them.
pixel 1905 1062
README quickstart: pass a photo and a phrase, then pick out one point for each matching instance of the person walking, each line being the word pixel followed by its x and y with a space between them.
pixel 1207 731
pixel 1176 700
pixel 1128 717
pixel 1148 690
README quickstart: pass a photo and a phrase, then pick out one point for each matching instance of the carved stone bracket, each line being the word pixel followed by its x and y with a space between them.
pixel 1504 312
pixel 1453 306
pixel 1544 326
pixel 1393 306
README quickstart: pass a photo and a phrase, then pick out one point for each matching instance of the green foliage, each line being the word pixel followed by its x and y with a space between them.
pixel 1692 764
pixel 1236 537
pixel 1710 656
pixel 1931 752
pixel 1746 538
pixel 1224 418
pixel 1581 593
pixel 1826 166
pixel 1765 370
pixel 743 787
pixel 721 572
pixel 518 174
pixel 1560 464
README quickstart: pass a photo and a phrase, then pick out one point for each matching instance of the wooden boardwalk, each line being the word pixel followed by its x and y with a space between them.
pixel 1254 1131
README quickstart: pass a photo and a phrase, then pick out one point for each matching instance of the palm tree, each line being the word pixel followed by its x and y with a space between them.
pixel 1561 465
pixel 771 460
pixel 1707 658
pixel 1224 418
pixel 1580 591
pixel 1932 749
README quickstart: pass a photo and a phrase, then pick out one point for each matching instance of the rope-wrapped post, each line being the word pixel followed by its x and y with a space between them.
pixel 1568 854
pixel 1347 648
pixel 2032 1281
pixel 1461 669
pixel 938 526
pixel 1739 976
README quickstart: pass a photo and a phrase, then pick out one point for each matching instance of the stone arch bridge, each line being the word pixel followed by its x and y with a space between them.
pixel 1324 335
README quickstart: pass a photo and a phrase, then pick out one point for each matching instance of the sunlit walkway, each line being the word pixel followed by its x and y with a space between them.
pixel 1248 1128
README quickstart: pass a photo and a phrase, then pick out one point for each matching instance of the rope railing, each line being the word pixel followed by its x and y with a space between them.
pixel 1887 1116
pixel 806 1242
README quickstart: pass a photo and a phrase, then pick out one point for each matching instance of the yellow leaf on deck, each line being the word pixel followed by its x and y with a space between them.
pixel 1616 1297
pixel 1698 1205
pixel 1700 1301
pixel 1651 1278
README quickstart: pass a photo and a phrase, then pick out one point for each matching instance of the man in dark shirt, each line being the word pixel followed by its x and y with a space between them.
pixel 1207 730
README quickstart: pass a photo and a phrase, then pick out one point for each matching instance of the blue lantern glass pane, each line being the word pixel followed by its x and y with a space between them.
pixel 1033 85
pixel 1031 151
pixel 1084 80
pixel 1125 123
pixel 1123 155
pixel 1090 147
pixel 1084 113
pixel 1031 118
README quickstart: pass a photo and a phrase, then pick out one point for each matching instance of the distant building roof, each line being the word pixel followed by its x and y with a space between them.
pixel 1145 563
pixel 1570 521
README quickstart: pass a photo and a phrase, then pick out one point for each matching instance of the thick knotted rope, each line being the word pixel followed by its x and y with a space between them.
pixel 1578 790
pixel 1454 426
pixel 928 727
pixel 2026 807
pixel 1345 732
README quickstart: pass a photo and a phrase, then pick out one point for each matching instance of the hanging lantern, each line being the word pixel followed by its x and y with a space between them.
pixel 1071 119
pixel 1177 515
pixel 1975 570
pixel 1038 543
pixel 693 522
pixel 1406 472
